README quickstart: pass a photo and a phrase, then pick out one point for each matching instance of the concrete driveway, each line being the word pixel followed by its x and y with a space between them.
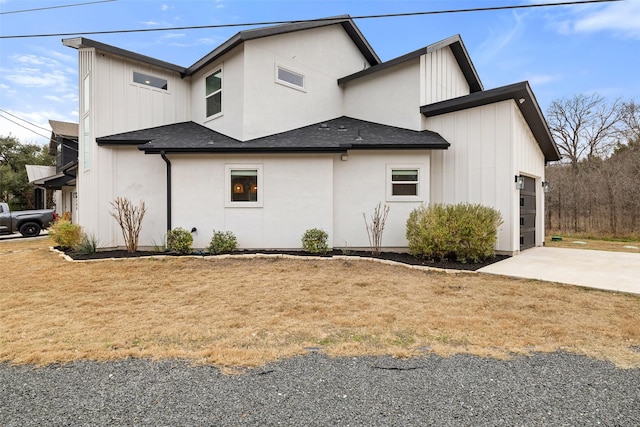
pixel 615 271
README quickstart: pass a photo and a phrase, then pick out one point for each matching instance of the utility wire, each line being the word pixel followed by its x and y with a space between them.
pixel 23 126
pixel 24 120
pixel 389 15
pixel 55 7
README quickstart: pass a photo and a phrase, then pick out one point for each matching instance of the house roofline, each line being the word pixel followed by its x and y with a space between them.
pixel 454 43
pixel 290 150
pixel 345 20
pixel 524 98
pixel 84 43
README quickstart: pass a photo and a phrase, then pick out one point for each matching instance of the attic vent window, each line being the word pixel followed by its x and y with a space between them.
pixel 147 80
pixel 289 78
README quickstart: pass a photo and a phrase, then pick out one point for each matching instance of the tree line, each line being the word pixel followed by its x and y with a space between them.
pixel 595 189
pixel 14 183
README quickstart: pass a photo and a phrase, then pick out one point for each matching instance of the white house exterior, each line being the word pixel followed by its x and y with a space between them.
pixel 301 126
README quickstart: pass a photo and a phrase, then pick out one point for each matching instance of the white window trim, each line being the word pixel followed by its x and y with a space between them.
pixel 302 88
pixel 204 82
pixel 421 184
pixel 228 203
pixel 149 87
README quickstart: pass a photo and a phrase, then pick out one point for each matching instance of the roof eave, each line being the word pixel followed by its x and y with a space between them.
pixel 83 43
pixel 524 98
pixel 345 20
pixel 454 43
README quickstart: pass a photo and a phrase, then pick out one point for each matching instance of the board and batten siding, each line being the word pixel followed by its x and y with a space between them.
pixel 489 146
pixel 441 77
pixel 124 106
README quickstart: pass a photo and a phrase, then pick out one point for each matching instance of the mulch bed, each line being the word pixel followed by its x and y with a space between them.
pixel 391 256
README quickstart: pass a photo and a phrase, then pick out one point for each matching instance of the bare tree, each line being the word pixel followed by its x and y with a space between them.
pixel 584 126
pixel 375 228
pixel 129 218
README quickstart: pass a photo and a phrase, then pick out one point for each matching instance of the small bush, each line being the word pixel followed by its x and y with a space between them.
pixel 222 241
pixel 464 232
pixel 88 245
pixel 179 240
pixel 66 234
pixel 314 240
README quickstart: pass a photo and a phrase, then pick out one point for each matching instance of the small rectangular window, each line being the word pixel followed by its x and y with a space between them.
pixel 290 78
pixel 213 90
pixel 244 185
pixel 147 80
pixel 404 182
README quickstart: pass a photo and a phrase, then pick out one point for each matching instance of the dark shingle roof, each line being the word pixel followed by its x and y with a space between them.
pixel 337 135
pixel 524 98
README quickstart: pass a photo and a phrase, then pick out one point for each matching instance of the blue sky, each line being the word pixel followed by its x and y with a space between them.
pixel 562 51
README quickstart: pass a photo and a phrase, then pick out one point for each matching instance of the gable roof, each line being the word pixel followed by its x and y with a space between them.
pixel 524 98
pixel 454 43
pixel 333 136
pixel 344 20
pixel 64 129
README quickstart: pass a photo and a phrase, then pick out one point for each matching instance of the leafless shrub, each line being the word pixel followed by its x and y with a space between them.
pixel 375 228
pixel 129 218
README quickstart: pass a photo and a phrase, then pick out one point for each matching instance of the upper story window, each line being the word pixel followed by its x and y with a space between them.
pixel 289 78
pixel 213 83
pixel 148 80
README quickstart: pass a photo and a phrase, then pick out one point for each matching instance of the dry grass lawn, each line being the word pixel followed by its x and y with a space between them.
pixel 247 312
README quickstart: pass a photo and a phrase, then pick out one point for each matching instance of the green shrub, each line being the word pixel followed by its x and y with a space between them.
pixel 314 240
pixel 66 234
pixel 222 241
pixel 179 240
pixel 88 245
pixel 464 232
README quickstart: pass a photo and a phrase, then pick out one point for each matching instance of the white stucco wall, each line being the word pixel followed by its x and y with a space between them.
pixel 489 146
pixel 390 97
pixel 296 195
pixel 361 182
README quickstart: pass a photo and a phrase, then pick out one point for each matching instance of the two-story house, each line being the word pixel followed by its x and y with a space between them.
pixel 61 178
pixel 299 126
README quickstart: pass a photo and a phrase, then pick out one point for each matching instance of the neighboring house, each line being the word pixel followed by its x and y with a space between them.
pixel 61 178
pixel 299 126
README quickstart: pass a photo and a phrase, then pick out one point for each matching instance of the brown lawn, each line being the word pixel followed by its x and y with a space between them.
pixel 577 242
pixel 247 312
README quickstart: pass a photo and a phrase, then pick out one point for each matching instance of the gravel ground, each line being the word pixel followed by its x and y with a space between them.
pixel 541 390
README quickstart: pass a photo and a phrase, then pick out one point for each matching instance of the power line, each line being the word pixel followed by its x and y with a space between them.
pixel 56 7
pixel 24 120
pixel 23 126
pixel 389 15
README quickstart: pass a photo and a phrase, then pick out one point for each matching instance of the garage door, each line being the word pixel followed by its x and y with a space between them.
pixel 528 214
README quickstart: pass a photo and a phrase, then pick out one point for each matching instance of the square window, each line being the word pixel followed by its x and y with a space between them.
pixel 407 182
pixel 213 92
pixel 243 184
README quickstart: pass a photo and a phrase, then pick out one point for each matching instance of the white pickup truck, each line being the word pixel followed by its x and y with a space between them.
pixel 28 223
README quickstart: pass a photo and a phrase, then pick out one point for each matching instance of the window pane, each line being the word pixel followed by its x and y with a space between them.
pixel 145 79
pixel 214 104
pixel 405 189
pixel 404 175
pixel 244 185
pixel 290 77
pixel 214 82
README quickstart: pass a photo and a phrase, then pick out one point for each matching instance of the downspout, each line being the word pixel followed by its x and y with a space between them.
pixel 166 160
